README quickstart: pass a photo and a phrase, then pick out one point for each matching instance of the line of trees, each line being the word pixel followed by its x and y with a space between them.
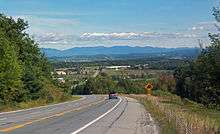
pixel 103 84
pixel 200 80
pixel 24 70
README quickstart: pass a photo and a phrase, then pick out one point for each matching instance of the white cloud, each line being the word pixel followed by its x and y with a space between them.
pixel 54 38
pixel 132 36
pixel 59 33
pixel 204 27
pixel 109 36
pixel 64 41
pixel 198 28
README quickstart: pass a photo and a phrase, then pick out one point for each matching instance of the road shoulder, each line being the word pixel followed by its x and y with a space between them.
pixel 130 117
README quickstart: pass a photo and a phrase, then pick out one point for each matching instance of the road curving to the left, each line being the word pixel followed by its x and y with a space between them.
pixel 11 121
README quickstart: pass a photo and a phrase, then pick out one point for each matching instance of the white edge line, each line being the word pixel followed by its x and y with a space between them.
pixel 22 110
pixel 95 120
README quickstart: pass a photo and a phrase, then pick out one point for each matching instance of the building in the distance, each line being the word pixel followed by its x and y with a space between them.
pixel 61 72
pixel 117 67
pixel 66 71
pixel 61 80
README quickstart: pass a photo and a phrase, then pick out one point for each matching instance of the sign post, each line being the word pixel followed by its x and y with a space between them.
pixel 148 87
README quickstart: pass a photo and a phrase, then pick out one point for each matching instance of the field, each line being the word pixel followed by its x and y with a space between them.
pixel 135 73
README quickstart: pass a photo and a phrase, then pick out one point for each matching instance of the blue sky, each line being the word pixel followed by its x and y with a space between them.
pixel 64 24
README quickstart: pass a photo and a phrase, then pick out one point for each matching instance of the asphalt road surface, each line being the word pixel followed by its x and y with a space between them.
pixel 89 115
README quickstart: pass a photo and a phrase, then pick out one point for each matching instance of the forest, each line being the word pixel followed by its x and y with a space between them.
pixel 25 73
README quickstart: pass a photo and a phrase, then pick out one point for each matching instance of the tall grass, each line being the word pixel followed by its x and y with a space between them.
pixel 175 116
pixel 166 127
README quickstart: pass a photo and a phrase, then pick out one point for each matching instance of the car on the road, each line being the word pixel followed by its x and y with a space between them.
pixel 112 95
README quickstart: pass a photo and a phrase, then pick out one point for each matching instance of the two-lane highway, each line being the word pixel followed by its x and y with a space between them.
pixel 91 114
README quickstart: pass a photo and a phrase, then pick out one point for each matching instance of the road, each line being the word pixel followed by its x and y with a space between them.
pixel 90 115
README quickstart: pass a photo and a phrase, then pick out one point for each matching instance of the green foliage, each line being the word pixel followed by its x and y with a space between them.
pixel 165 82
pixel 200 80
pixel 161 93
pixel 166 126
pixel 103 84
pixel 98 85
pixel 216 13
pixel 10 72
pixel 131 87
pixel 24 70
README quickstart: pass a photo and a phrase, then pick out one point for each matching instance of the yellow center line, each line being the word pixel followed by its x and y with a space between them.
pixel 44 118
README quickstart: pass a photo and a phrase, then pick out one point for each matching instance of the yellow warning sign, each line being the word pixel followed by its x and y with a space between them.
pixel 148 88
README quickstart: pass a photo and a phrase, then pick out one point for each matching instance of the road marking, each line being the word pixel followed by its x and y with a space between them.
pixel 1 119
pixel 28 123
pixel 22 110
pixel 16 127
pixel 90 123
pixel 48 117
pixel 60 114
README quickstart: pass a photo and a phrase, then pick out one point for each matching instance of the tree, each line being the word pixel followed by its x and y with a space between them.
pixel 34 64
pixel 10 73
pixel 25 73
pixel 200 80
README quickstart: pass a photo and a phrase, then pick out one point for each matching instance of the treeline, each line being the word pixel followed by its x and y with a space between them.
pixel 103 84
pixel 200 80
pixel 25 73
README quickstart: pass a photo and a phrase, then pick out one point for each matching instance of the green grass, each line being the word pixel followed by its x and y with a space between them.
pixel 188 106
pixel 166 127
pixel 32 104
pixel 169 109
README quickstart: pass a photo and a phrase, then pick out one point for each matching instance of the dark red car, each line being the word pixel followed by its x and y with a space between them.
pixel 112 95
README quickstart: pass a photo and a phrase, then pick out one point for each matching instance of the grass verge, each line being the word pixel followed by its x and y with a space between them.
pixel 176 115
pixel 166 127
pixel 35 103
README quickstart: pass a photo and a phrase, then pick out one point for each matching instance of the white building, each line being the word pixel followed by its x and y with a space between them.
pixel 60 72
pixel 61 80
pixel 117 67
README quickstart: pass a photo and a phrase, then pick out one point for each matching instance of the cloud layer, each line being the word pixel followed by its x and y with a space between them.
pixel 59 35
pixel 132 36
pixel 62 25
pixel 64 41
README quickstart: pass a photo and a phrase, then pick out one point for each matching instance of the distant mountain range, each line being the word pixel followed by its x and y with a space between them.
pixel 118 50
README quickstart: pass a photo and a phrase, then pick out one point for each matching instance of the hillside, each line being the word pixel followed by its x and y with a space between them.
pixel 120 52
pixel 25 73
